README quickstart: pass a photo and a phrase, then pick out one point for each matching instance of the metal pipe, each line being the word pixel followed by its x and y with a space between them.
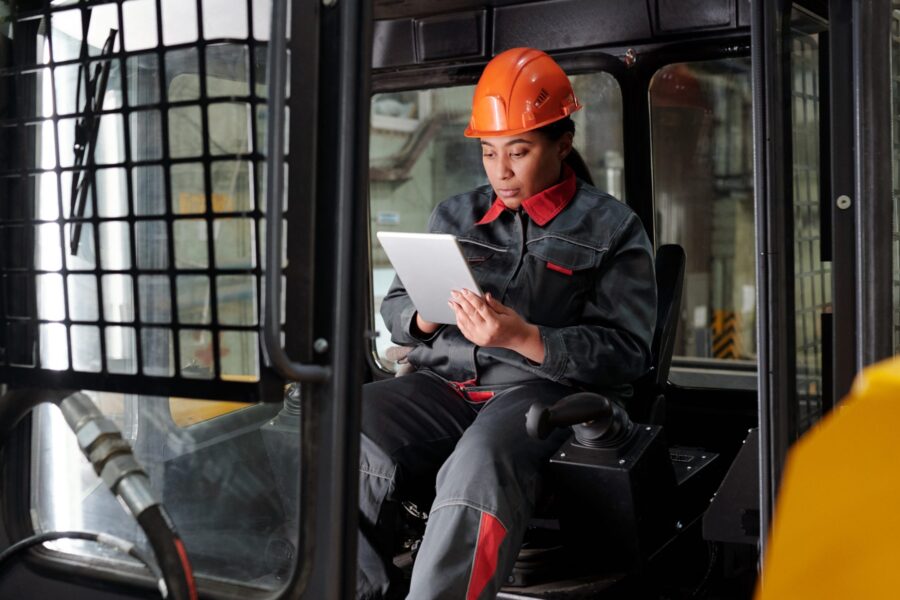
pixel 271 322
pixel 843 221
pixel 872 131
pixel 773 191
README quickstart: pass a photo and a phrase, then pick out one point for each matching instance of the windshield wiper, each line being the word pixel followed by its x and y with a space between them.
pixel 86 129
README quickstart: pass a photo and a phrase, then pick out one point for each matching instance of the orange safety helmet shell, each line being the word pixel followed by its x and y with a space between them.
pixel 520 89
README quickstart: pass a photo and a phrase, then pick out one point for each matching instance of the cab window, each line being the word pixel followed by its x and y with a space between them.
pixel 177 231
pixel 419 157
pixel 702 149
pixel 703 199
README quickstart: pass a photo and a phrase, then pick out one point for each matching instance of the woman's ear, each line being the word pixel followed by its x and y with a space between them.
pixel 565 144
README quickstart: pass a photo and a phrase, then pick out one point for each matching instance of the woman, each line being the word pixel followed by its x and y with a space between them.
pixel 569 304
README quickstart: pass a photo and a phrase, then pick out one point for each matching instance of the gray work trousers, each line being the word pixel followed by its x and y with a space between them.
pixel 421 436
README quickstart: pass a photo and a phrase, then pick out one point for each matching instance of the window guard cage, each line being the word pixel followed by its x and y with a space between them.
pixel 127 263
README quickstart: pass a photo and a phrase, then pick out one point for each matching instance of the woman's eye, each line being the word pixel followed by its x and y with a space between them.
pixel 517 154
pixel 487 156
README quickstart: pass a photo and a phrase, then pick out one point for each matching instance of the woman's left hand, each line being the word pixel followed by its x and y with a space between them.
pixel 488 323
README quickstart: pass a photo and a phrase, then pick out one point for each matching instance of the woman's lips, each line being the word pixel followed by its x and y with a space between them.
pixel 508 192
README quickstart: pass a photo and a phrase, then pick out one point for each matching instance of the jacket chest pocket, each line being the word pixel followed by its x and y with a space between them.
pixel 556 278
pixel 478 254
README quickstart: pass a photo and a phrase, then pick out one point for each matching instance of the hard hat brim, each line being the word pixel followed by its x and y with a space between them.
pixel 473 133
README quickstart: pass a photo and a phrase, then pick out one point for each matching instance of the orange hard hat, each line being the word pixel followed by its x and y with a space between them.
pixel 520 89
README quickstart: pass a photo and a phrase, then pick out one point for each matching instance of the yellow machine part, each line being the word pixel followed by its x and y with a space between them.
pixel 186 412
pixel 836 529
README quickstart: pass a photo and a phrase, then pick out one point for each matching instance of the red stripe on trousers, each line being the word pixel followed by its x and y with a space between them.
pixel 487 550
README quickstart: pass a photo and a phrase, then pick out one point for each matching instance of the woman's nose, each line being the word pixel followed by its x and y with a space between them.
pixel 504 169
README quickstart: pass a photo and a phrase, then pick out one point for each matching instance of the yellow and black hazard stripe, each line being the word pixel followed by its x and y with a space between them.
pixel 726 337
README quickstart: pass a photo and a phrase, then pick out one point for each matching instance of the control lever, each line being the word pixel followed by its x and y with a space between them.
pixel 597 421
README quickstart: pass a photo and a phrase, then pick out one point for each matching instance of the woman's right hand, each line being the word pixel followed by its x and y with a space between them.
pixel 426 327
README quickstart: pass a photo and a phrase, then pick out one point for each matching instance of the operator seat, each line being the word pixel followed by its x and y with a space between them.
pixel 602 424
pixel 647 405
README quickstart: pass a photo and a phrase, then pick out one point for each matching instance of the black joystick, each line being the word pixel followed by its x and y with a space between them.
pixel 597 421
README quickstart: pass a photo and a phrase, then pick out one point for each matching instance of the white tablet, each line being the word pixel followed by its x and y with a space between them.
pixel 429 265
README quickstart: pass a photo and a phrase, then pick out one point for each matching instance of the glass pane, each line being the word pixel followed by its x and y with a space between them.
pixel 184 63
pixel 406 181
pixel 193 299
pixel 811 275
pixel 235 244
pixel 225 59
pixel 156 298
pixel 149 145
pixel 50 286
pixel 237 299
pixel 195 346
pixel 185 127
pixel 702 144
pixel 188 195
pixel 85 256
pixel 179 22
pixel 115 244
pixel 47 255
pixel 121 350
pixel 86 348
pixel 140 68
pixel 190 244
pixel 231 134
pixel 157 351
pixel 112 193
pixel 238 352
pixel 219 23
pixel 54 346
pixel 418 157
pixel 83 298
pixel 232 186
pixel 151 242
pixel 599 131
pixel 118 298
pixel 139 20
pixel 149 190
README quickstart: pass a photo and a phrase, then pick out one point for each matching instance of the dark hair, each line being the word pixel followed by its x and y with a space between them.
pixel 555 130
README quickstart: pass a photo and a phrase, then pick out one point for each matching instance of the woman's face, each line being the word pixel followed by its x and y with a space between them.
pixel 522 165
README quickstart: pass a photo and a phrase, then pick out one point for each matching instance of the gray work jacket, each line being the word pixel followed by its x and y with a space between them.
pixel 575 262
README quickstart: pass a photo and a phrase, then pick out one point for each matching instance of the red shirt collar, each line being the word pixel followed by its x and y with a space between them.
pixel 543 206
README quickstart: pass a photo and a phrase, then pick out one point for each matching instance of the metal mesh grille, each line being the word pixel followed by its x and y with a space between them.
pixel 130 187
pixel 812 276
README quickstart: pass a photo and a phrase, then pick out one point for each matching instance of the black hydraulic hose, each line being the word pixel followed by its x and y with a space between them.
pixel 170 553
pixel 100 538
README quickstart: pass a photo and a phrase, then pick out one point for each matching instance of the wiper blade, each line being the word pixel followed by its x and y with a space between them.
pixel 85 145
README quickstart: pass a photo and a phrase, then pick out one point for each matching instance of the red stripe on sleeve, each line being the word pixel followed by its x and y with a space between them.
pixel 555 267
pixel 487 550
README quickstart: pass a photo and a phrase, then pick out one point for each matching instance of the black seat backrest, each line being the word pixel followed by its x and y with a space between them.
pixel 648 403
pixel 669 286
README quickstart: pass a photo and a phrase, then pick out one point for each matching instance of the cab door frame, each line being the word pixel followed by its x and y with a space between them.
pixel 859 130
pixel 331 54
